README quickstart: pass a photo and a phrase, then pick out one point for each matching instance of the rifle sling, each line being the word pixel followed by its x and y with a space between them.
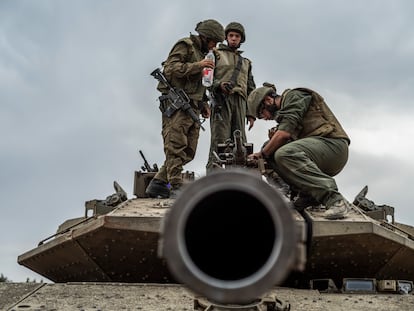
pixel 236 71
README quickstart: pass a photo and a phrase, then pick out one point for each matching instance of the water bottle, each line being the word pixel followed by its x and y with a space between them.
pixel 208 73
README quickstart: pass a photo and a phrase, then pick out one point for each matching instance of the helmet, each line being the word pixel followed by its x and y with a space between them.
pixel 211 29
pixel 256 97
pixel 237 27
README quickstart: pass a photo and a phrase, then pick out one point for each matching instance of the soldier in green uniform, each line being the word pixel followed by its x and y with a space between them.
pixel 233 82
pixel 183 69
pixel 308 148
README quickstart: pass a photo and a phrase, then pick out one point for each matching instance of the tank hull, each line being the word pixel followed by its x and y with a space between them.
pixel 117 247
pixel 122 246
pixel 359 247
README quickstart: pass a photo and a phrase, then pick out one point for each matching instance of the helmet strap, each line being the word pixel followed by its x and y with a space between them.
pixel 204 44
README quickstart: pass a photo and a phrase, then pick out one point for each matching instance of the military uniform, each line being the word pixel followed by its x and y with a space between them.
pixel 232 111
pixel 180 131
pixel 309 146
pixel 319 149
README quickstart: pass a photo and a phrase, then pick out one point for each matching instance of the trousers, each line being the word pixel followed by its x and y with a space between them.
pixel 309 164
pixel 223 122
pixel 180 137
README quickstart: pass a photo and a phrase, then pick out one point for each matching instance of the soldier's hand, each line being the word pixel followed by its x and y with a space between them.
pixel 206 63
pixel 250 120
pixel 206 112
pixel 226 87
pixel 254 157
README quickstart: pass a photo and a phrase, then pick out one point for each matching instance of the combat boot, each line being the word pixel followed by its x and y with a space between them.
pixel 338 210
pixel 158 189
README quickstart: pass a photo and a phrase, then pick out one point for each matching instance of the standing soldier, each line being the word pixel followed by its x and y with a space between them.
pixel 233 82
pixel 183 69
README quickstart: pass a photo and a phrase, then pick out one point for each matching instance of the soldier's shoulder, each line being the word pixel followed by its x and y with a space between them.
pixel 222 48
pixel 303 90
pixel 247 59
pixel 294 94
pixel 183 46
pixel 186 41
pixel 244 57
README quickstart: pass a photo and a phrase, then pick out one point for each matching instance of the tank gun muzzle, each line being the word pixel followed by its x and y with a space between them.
pixel 230 237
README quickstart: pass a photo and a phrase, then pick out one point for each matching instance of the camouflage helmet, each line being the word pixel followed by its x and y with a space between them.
pixel 256 97
pixel 211 29
pixel 237 27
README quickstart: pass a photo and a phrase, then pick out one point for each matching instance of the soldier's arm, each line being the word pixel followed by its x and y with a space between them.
pixel 278 139
pixel 295 106
pixel 177 64
pixel 251 85
pixel 250 81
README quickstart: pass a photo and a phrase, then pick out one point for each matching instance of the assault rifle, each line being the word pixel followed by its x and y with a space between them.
pixel 146 166
pixel 177 97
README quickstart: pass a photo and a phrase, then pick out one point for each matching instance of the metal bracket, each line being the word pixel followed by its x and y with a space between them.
pixel 268 303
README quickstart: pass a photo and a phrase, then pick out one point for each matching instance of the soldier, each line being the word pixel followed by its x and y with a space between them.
pixel 180 132
pixel 308 147
pixel 233 82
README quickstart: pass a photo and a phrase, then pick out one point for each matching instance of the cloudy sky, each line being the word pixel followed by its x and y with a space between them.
pixel 77 101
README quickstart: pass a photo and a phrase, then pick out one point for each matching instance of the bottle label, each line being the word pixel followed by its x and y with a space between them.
pixel 207 72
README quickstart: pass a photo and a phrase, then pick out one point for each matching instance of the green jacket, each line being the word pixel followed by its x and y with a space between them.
pixel 226 62
pixel 304 113
pixel 181 68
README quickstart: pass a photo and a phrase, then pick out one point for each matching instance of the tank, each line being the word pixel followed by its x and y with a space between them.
pixel 230 241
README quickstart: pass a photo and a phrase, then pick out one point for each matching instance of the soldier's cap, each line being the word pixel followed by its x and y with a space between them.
pixel 211 29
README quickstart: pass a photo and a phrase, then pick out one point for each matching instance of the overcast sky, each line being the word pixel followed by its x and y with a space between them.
pixel 77 101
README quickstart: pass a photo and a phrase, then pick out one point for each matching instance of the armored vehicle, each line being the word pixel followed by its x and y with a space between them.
pixel 230 241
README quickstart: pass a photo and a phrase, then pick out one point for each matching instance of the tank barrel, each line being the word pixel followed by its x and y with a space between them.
pixel 229 237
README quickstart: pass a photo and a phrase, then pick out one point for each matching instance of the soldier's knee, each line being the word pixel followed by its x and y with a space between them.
pixel 289 158
pixel 281 155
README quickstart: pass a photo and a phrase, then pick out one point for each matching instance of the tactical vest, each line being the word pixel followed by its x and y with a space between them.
pixel 226 61
pixel 318 120
pixel 190 84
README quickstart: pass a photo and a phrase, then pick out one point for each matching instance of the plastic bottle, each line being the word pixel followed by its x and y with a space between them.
pixel 208 73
